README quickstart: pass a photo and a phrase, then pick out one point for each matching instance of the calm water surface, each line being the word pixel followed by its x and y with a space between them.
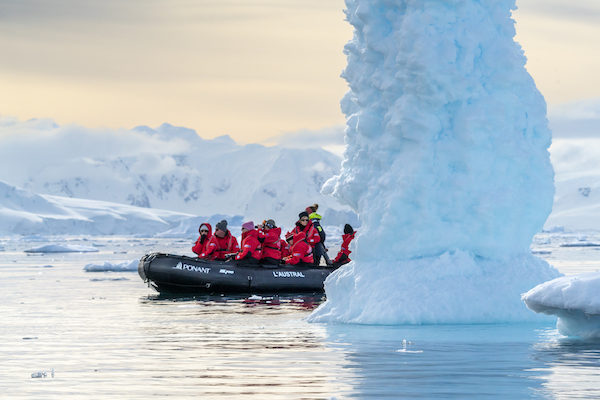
pixel 107 335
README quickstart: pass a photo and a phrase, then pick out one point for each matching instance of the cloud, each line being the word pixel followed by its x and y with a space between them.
pixel 330 138
pixel 27 148
pixel 309 138
pixel 575 119
pixel 577 10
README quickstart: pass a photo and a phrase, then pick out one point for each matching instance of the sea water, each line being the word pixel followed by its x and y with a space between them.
pixel 67 333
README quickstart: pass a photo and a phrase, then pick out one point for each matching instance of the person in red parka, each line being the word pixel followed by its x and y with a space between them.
pixel 301 252
pixel 305 225
pixel 269 235
pixel 249 255
pixel 344 253
pixel 286 245
pixel 205 231
pixel 221 243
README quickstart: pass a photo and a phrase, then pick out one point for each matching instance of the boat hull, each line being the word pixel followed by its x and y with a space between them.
pixel 169 273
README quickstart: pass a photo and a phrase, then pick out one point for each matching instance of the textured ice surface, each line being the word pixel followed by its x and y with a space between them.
pixel 446 163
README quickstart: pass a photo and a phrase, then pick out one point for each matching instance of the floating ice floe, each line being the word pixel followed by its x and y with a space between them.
pixel 541 252
pixel 43 374
pixel 580 244
pixel 130 265
pixel 574 299
pixel 109 279
pixel 57 248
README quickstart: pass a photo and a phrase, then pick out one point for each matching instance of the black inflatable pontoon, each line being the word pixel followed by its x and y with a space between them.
pixel 169 273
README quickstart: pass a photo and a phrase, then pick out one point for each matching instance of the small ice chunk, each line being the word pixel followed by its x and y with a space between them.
pixel 574 299
pixel 130 265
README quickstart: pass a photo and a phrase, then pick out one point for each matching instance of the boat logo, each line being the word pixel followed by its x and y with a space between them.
pixel 288 274
pixel 194 268
pixel 226 271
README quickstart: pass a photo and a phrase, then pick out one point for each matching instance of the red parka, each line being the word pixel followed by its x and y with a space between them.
pixel 250 245
pixel 218 247
pixel 286 249
pixel 347 238
pixel 271 243
pixel 301 251
pixel 202 242
pixel 312 234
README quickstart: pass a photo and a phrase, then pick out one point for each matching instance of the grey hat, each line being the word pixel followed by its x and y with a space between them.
pixel 222 225
pixel 270 224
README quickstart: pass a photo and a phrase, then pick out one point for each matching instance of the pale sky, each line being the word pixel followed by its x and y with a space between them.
pixel 251 69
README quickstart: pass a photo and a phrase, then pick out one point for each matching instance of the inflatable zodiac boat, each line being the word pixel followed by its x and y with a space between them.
pixel 169 273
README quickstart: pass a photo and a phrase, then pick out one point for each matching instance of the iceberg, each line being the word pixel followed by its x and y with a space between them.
pixel 130 265
pixel 574 299
pixel 446 163
pixel 59 248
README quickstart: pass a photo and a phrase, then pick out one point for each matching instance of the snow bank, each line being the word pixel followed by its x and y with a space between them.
pixel 57 248
pixel 446 163
pixel 131 265
pixel 574 299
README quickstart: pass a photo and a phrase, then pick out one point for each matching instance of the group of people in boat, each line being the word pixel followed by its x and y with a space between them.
pixel 262 245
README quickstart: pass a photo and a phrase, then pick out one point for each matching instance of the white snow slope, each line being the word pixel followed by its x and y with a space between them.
pixel 447 164
pixel 25 213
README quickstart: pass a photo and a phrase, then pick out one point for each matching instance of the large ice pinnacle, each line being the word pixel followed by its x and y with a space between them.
pixel 446 163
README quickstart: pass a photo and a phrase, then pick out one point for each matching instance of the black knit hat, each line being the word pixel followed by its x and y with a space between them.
pixel 348 229
pixel 222 225
pixel 303 214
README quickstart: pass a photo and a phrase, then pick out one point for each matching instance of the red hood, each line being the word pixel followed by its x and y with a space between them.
pixel 299 236
pixel 209 228
pixel 253 232
pixel 274 232
pixel 348 235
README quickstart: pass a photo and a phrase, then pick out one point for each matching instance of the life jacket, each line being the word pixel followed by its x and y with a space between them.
pixel 218 247
pixel 301 251
pixel 344 249
pixel 250 246
pixel 316 221
pixel 312 235
pixel 271 245
pixel 202 241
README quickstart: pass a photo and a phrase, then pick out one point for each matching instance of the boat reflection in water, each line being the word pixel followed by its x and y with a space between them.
pixel 241 346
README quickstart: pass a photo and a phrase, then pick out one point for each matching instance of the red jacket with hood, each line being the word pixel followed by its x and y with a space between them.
pixel 202 242
pixel 218 247
pixel 345 246
pixel 286 249
pixel 271 245
pixel 312 234
pixel 301 251
pixel 250 245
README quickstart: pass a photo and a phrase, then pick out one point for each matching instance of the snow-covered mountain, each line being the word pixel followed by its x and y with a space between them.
pixel 577 181
pixel 172 168
pixel 168 168
pixel 575 155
